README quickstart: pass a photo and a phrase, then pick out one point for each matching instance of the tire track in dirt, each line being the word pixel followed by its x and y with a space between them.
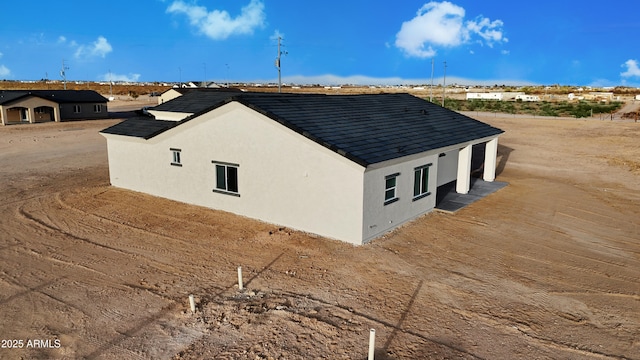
pixel 527 274
pixel 145 232
pixel 159 265
pixel 499 249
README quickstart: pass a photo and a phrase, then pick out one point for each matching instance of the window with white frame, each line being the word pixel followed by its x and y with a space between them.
pixel 390 187
pixel 421 181
pixel 77 109
pixel 97 108
pixel 176 157
pixel 226 178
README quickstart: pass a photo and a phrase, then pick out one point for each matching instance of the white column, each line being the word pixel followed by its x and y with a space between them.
pixel 32 115
pixel 464 170
pixel 490 154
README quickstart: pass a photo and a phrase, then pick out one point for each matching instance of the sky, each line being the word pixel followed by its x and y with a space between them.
pixel 329 42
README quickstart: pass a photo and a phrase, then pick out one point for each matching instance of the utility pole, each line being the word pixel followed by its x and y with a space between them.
pixel 110 86
pixel 444 83
pixel 63 73
pixel 431 87
pixel 278 64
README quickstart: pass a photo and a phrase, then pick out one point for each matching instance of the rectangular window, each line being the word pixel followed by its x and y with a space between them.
pixel 77 109
pixel 390 186
pixel 176 159
pixel 226 178
pixel 97 108
pixel 421 182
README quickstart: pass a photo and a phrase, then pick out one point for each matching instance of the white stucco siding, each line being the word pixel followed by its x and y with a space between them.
pixel 447 167
pixel 380 218
pixel 168 115
pixel 283 177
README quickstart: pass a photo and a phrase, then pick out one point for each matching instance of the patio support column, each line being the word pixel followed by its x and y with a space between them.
pixel 32 115
pixel 464 170
pixel 3 115
pixel 490 154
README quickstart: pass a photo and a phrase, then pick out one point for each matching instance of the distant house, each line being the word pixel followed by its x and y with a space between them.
pixel 348 167
pixel 484 96
pixel 523 97
pixel 499 96
pixel 31 106
pixel 176 92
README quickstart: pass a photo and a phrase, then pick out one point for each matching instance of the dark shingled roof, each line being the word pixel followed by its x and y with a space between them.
pixel 59 96
pixel 364 128
pixel 143 127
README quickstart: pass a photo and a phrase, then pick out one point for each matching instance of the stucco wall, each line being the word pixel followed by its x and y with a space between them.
pixel 447 167
pixel 380 218
pixel 283 178
pixel 86 111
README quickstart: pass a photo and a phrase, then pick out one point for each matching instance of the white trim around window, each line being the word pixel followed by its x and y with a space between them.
pixel 390 188
pixel 421 182
pixel 226 178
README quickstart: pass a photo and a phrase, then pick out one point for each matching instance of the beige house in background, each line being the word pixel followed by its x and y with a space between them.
pixel 31 106
pixel 347 167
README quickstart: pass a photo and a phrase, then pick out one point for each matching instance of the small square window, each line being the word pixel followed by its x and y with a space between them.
pixel 97 108
pixel 176 157
pixel 77 109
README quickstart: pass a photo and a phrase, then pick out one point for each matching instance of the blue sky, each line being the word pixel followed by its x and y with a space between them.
pixel 329 42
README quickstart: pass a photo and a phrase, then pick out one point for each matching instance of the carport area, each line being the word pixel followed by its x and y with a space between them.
pixel 448 200
pixel 448 197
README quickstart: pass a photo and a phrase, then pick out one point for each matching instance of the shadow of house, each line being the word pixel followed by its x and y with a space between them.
pixel 33 106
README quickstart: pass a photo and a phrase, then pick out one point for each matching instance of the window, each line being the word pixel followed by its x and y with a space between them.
pixel 421 182
pixel 390 185
pixel 226 178
pixel 176 161
pixel 97 108
pixel 77 109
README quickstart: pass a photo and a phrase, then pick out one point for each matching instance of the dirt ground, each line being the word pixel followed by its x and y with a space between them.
pixel 546 268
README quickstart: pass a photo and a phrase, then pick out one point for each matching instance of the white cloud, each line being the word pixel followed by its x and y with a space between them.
pixel 1 54
pixel 62 39
pixel 276 34
pixel 442 24
pixel 99 48
pixel 4 71
pixel 218 24
pixel 505 52
pixel 120 77
pixel 633 69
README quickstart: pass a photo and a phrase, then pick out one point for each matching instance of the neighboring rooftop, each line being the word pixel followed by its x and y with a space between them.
pixel 364 128
pixel 59 96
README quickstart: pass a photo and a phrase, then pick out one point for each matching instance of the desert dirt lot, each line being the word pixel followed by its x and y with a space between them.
pixel 546 268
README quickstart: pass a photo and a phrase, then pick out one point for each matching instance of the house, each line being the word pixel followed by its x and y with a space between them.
pixel 347 167
pixel 500 96
pixel 523 97
pixel 32 106
pixel 173 93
